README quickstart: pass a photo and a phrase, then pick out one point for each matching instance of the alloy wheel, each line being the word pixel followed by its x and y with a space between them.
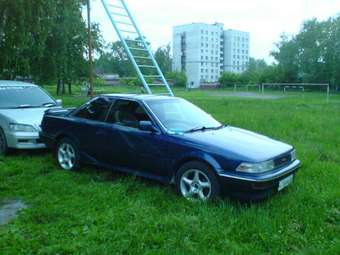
pixel 66 156
pixel 194 184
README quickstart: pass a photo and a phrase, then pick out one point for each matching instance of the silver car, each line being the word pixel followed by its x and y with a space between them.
pixel 22 107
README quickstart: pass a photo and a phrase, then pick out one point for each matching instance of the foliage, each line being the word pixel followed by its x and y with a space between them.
pixel 259 72
pixel 179 78
pixel 115 60
pixel 313 55
pixel 45 40
pixel 229 79
pixel 100 212
pixel 163 58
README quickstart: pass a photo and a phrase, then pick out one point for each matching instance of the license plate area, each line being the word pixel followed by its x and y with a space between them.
pixel 286 182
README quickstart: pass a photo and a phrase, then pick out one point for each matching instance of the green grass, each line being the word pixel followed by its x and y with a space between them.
pixel 98 212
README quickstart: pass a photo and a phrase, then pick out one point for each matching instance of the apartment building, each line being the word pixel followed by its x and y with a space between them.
pixel 205 51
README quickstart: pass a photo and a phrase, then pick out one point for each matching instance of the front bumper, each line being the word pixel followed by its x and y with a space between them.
pixel 24 140
pixel 256 186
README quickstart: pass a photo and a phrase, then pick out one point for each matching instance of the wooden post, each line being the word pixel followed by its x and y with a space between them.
pixel 90 92
pixel 328 92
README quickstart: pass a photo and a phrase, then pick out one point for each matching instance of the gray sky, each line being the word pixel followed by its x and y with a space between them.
pixel 266 20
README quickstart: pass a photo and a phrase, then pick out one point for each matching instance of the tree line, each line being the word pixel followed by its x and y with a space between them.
pixel 311 56
pixel 45 41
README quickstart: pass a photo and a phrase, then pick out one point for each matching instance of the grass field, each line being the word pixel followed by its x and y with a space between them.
pixel 99 212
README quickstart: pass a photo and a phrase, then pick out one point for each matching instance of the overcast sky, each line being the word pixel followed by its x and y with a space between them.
pixel 266 20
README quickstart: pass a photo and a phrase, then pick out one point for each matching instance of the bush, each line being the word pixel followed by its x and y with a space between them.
pixel 179 79
pixel 229 79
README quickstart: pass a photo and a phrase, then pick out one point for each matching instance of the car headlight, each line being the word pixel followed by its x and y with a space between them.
pixel 293 155
pixel 22 128
pixel 256 167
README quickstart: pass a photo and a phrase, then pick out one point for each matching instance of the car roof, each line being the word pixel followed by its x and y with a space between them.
pixel 5 83
pixel 141 97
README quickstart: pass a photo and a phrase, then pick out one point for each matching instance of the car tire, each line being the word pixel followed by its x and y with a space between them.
pixel 67 155
pixel 197 181
pixel 3 143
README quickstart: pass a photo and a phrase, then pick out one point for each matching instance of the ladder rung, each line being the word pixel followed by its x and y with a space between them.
pixel 141 49
pixel 131 40
pixel 156 84
pixel 116 6
pixel 152 76
pixel 124 23
pixel 146 66
pixel 119 14
pixel 128 31
pixel 141 57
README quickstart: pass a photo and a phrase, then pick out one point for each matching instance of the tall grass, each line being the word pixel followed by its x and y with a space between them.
pixel 98 212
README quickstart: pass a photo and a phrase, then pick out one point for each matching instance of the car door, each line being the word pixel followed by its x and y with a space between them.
pixel 90 128
pixel 139 150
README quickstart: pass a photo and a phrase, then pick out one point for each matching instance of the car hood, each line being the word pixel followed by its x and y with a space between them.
pixel 28 116
pixel 239 143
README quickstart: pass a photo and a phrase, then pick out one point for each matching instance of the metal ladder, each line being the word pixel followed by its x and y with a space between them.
pixel 136 46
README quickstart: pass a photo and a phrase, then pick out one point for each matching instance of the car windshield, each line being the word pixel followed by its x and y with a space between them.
pixel 23 97
pixel 178 115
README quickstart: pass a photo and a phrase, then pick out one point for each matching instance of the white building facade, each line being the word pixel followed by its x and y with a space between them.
pixel 205 51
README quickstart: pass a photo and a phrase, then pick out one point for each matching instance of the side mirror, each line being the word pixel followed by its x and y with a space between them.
pixel 59 102
pixel 147 126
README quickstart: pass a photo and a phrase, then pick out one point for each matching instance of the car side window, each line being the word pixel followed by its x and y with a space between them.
pixel 127 113
pixel 96 110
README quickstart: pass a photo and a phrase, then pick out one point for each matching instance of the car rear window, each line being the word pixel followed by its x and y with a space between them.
pixel 19 96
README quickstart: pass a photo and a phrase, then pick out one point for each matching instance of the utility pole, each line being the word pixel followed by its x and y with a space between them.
pixel 90 91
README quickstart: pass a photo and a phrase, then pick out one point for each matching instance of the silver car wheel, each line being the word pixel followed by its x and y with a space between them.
pixel 66 156
pixel 195 184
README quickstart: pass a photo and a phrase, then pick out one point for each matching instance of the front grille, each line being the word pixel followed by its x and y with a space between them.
pixel 283 160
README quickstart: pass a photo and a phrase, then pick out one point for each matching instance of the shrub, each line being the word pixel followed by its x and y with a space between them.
pixel 179 78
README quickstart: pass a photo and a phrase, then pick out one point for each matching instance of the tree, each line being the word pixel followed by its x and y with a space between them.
pixel 229 79
pixel 163 58
pixel 179 78
pixel 259 71
pixel 43 40
pixel 114 59
pixel 313 55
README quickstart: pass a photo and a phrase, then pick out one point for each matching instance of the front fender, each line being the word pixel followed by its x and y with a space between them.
pixel 196 156
pixel 64 134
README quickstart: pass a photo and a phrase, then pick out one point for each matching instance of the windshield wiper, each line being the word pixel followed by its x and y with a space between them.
pixel 49 104
pixel 24 106
pixel 203 128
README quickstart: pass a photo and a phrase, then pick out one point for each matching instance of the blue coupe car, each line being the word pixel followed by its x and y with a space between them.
pixel 170 140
